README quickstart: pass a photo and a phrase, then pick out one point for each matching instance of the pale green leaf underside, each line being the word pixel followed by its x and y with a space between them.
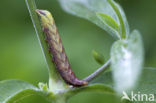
pixel 126 61
pixel 13 90
pixel 88 8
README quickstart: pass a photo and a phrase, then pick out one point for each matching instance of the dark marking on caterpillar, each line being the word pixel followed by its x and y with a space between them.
pixel 57 50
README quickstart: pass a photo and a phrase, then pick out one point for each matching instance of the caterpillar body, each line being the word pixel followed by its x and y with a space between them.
pixel 57 50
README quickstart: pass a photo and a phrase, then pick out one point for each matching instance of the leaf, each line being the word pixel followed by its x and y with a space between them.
pixel 147 81
pixel 88 8
pixel 91 88
pixel 109 21
pixel 126 61
pixel 13 90
pixel 124 27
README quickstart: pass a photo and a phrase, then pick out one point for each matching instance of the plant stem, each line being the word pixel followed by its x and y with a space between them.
pixel 116 9
pixel 98 72
pixel 55 81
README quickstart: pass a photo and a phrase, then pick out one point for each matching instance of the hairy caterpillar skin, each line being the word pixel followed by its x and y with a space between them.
pixel 57 50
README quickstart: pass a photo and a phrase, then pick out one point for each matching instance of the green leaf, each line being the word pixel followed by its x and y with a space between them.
pixel 126 61
pixel 109 21
pixel 13 90
pixel 124 27
pixel 147 81
pixel 88 8
pixel 91 88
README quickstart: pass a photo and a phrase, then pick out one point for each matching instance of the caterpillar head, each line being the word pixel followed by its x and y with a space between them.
pixel 45 16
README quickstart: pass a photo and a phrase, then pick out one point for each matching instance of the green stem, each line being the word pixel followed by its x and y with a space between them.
pixel 55 81
pixel 122 25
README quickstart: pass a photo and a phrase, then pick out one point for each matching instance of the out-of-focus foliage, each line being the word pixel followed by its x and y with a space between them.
pixel 21 56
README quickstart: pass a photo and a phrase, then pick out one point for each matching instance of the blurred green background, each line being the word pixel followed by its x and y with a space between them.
pixel 21 56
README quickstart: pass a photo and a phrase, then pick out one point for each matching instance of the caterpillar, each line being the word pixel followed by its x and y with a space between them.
pixel 57 50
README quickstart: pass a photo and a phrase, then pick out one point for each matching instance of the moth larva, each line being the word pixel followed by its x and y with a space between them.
pixel 57 50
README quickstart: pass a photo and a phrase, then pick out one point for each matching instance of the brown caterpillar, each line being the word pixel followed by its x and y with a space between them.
pixel 57 50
